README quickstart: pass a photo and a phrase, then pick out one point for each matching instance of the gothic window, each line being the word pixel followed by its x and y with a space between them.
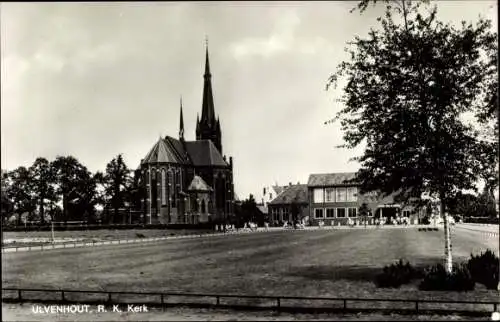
pixel 203 210
pixel 163 188
pixel 171 188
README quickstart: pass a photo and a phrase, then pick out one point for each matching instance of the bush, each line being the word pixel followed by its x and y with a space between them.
pixel 139 235
pixel 437 279
pixel 396 275
pixel 484 269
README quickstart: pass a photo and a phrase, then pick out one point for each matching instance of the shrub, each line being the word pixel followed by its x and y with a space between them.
pixel 437 279
pixel 139 235
pixel 396 275
pixel 484 269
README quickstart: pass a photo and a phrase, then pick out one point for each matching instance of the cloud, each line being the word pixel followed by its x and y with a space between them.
pixel 279 41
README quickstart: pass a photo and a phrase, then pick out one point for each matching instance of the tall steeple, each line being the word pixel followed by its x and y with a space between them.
pixel 181 125
pixel 207 128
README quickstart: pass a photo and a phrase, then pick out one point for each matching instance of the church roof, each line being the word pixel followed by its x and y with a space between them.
pixel 197 153
pixel 160 153
pixel 204 153
pixel 330 179
pixel 297 193
pixel 198 184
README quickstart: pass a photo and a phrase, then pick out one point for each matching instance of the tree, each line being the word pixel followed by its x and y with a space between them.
pixel 364 212
pixel 117 181
pixel 42 182
pixel 7 206
pixel 407 85
pixel 295 211
pixel 19 192
pixel 75 186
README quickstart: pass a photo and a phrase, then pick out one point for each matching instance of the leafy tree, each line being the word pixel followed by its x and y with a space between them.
pixel 117 181
pixel 75 186
pixel 249 211
pixel 42 182
pixel 7 206
pixel 295 210
pixel 19 192
pixel 407 86
pixel 364 212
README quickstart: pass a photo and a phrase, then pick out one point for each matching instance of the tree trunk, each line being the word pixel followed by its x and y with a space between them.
pixel 447 237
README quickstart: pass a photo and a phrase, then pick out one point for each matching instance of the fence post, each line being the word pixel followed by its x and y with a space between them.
pixel 278 304
pixel 19 295
pixel 345 304
pixel 162 302
pixel 62 296
pixel 494 307
pixel 218 300
pixel 109 297
pixel 416 306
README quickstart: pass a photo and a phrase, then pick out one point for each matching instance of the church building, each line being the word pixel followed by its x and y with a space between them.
pixel 189 182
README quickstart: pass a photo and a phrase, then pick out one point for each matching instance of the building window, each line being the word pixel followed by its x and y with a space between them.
pixel 270 196
pixel 352 212
pixel 406 213
pixel 330 213
pixel 352 194
pixel 318 213
pixel 171 188
pixel 163 187
pixel 330 195
pixel 318 195
pixel 285 213
pixel 340 212
pixel 341 194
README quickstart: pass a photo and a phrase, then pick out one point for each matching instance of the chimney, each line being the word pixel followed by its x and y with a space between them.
pixel 231 161
pixel 289 184
pixel 224 157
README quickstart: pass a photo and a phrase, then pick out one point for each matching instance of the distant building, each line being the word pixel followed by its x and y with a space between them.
pixel 269 193
pixel 334 199
pixel 293 198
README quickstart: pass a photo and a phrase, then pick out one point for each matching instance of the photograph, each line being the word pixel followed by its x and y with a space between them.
pixel 250 160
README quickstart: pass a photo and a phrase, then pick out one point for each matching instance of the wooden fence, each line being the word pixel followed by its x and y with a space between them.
pixel 280 303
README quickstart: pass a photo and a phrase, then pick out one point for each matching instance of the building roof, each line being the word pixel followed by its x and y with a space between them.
pixel 198 184
pixel 278 189
pixel 330 179
pixel 297 193
pixel 160 153
pixel 204 153
pixel 197 153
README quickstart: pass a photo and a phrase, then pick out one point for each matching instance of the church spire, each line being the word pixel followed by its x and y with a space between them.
pixel 207 110
pixel 181 125
pixel 208 127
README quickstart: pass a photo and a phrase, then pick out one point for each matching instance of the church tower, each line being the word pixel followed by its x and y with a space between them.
pixel 208 128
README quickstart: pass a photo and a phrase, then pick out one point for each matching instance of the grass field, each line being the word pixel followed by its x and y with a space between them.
pixel 301 263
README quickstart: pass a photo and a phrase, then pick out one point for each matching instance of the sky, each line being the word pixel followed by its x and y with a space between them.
pixel 94 80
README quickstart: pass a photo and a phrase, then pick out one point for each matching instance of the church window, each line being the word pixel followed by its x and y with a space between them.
pixel 163 187
pixel 171 188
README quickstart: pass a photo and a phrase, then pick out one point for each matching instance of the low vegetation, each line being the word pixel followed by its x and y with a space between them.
pixel 396 275
pixel 482 269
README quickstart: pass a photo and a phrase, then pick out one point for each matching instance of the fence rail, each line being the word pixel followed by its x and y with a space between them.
pixel 277 302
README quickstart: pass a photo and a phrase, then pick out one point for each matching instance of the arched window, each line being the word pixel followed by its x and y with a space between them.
pixel 163 188
pixel 195 205
pixel 203 206
pixel 171 187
